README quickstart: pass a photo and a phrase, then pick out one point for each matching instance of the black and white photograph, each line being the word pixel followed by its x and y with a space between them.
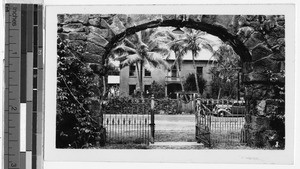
pixel 208 84
pixel 149 84
pixel 170 81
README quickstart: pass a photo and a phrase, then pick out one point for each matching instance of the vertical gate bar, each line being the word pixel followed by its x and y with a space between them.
pixel 141 136
pixel 131 128
pixel 118 124
pixel 148 126
pixel 144 122
pixel 121 124
pixel 145 129
pixel 119 127
pixel 109 122
pixel 126 123
pixel 152 119
pixel 111 126
pixel 141 128
pixel 138 129
pixel 114 126
pixel 139 124
pixel 133 121
pixel 196 120
pixel 136 122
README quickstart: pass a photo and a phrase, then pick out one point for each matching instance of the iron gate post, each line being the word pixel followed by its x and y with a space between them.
pixel 152 124
pixel 197 110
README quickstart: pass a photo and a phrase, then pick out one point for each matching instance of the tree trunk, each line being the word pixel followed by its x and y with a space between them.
pixel 179 71
pixel 179 75
pixel 219 93
pixel 196 76
pixel 138 75
pixel 181 83
pixel 105 92
pixel 141 80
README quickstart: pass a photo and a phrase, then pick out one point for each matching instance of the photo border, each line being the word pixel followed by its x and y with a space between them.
pixel 182 156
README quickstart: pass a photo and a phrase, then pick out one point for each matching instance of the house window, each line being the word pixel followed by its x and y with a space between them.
pixel 200 71
pixel 147 73
pixel 132 70
pixel 147 89
pixel 174 72
pixel 131 89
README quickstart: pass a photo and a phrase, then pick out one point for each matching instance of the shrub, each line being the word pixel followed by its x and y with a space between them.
pixel 158 90
pixel 190 83
pixel 128 105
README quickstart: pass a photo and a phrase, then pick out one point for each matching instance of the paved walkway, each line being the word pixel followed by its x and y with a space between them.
pixel 176 145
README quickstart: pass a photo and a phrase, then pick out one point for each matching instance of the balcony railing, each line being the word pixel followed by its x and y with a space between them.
pixel 172 79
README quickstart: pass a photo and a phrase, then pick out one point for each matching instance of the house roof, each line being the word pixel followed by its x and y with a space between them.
pixel 204 55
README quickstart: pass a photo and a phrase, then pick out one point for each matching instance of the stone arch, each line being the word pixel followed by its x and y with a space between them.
pixel 257 39
pixel 216 30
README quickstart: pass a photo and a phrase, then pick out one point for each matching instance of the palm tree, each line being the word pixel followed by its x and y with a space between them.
pixel 226 70
pixel 174 43
pixel 195 42
pixel 142 51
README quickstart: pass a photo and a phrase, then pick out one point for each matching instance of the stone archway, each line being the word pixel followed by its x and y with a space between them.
pixel 216 30
pixel 253 37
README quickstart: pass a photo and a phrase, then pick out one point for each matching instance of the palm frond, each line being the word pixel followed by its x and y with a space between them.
pixel 207 46
pixel 156 60
pixel 128 43
pixel 148 66
pixel 160 49
pixel 121 58
pixel 128 60
pixel 122 49
pixel 139 38
pixel 146 35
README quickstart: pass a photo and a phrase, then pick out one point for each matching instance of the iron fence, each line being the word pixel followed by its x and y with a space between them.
pixel 223 119
pixel 127 121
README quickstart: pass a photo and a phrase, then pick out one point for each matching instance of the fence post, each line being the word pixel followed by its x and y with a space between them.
pixel 194 101
pixel 152 124
pixel 101 137
pixel 197 103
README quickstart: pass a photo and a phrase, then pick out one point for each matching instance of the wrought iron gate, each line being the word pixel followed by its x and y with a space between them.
pixel 220 122
pixel 203 123
pixel 128 121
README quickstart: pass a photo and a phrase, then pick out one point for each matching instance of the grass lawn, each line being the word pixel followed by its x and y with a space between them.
pixel 177 128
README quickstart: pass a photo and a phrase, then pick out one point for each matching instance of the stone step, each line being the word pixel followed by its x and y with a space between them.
pixel 176 145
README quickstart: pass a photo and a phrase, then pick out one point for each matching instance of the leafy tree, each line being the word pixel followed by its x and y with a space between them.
pixel 112 69
pixel 190 83
pixel 77 87
pixel 157 90
pixel 225 72
pixel 195 42
pixel 143 51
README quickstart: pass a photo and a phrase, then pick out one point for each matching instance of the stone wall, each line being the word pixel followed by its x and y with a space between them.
pixel 86 34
